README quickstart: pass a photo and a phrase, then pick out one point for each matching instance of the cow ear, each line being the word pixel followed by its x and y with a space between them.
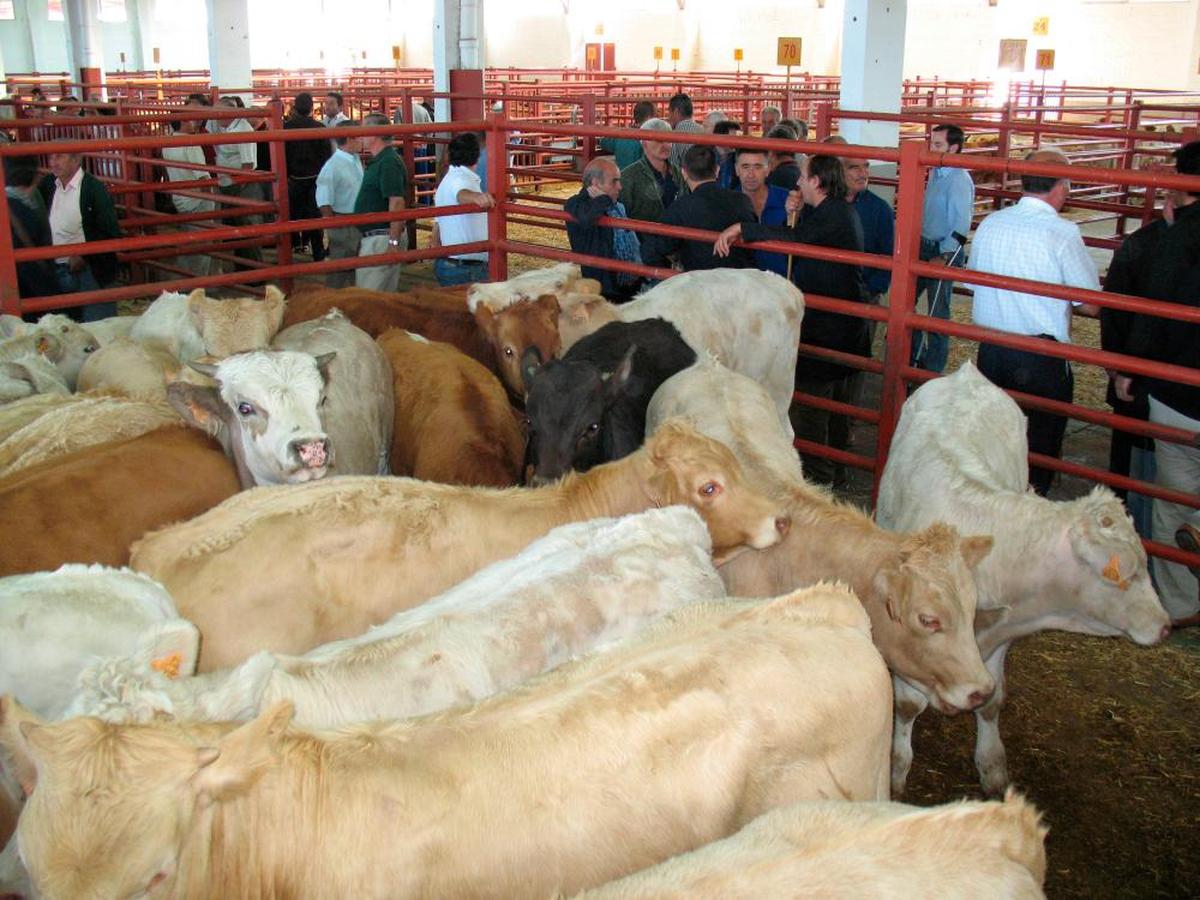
pixel 200 407
pixel 170 648
pixel 618 381
pixel 242 756
pixel 975 548
pixel 484 318
pixel 548 303
pixel 11 326
pixel 49 346
pixel 889 585
pixel 197 301
pixel 14 741
pixel 531 362
pixel 324 360
pixel 276 306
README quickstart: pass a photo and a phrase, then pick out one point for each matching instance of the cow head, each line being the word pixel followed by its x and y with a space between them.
pixel 691 469
pixel 236 325
pixel 266 411
pixel 515 330
pixel 1107 573
pixel 923 616
pixel 77 344
pixel 581 314
pixel 567 404
pixel 112 806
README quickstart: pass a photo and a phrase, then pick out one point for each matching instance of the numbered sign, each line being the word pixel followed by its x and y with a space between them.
pixel 1044 61
pixel 737 54
pixel 658 53
pixel 157 56
pixel 675 54
pixel 396 52
pixel 788 51
pixel 1041 26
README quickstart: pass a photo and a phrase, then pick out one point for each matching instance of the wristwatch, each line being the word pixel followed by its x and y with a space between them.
pixel 393 242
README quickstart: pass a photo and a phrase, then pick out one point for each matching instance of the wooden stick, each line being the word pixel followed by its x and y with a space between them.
pixel 791 223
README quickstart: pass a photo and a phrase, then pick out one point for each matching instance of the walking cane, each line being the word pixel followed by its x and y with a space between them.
pixel 791 223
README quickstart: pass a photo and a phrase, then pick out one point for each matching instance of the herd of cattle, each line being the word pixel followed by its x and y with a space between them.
pixel 278 620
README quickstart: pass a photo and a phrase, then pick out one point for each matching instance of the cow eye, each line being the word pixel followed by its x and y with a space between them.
pixel 324 400
pixel 593 428
pixel 932 623
pixel 710 489
pixel 508 351
pixel 245 409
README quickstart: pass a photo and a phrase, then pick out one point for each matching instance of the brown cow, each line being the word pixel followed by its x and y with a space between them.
pixel 439 314
pixel 453 423
pixel 516 329
pixel 90 505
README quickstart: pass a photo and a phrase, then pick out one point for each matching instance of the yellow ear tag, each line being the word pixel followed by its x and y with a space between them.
pixel 168 665
pixel 1113 573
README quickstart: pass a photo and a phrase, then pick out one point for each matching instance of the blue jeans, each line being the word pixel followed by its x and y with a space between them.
pixel 459 271
pixel 929 350
pixel 76 282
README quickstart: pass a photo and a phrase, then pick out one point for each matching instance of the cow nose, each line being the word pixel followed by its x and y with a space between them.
pixel 312 453
pixel 783 525
pixel 978 698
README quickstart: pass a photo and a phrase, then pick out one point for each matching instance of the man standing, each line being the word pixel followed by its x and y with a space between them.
pixel 331 109
pixel 768 118
pixel 679 117
pixel 708 207
pixel 626 150
pixel 650 185
pixel 29 226
pixel 949 202
pixel 769 202
pixel 237 156
pixel 1030 240
pixel 461 185
pixel 384 189
pixel 785 170
pixel 337 188
pixel 825 220
pixel 600 196
pixel 196 263
pixel 726 157
pixel 81 210
pixel 304 162
pixel 1173 275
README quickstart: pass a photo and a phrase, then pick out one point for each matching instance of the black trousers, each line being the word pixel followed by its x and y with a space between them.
pixel 302 204
pixel 1042 376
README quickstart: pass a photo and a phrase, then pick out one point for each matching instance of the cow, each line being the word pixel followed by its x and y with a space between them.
pixel 917 588
pixel 85 421
pixel 106 331
pixel 580 586
pixel 131 368
pixel 16 415
pixel 747 319
pixel 829 849
pixel 320 403
pixel 27 368
pixel 189 326
pixel 960 456
pixel 453 422
pixel 437 314
pixel 671 739
pixel 90 505
pixel 556 280
pixel 78 343
pixel 590 406
pixel 332 557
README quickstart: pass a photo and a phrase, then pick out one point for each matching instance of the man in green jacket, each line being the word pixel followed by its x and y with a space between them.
pixel 651 184
pixel 626 150
pixel 81 210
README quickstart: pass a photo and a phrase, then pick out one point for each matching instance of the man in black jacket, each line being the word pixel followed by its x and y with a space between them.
pixel 825 219
pixel 1172 273
pixel 598 197
pixel 707 207
pixel 304 162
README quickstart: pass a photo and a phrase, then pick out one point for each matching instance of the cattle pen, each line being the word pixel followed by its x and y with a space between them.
pixel 1105 738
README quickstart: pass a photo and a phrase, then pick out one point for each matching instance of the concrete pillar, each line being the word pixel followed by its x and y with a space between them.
pixel 446 51
pixel 87 48
pixel 872 67
pixel 1193 61
pixel 229 44
pixel 136 59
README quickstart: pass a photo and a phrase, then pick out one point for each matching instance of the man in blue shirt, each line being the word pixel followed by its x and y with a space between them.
pixel 949 203
pixel 769 201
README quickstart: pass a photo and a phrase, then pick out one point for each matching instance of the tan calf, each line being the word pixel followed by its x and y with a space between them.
pixel 606 765
pixel 290 567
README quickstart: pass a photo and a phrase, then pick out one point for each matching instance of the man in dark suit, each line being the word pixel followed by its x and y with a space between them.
pixel 708 207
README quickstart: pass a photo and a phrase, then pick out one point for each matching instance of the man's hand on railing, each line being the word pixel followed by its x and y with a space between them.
pixel 723 243
pixel 1123 387
pixel 795 202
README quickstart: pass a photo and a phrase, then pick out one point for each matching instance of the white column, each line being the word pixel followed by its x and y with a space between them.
pixel 83 35
pixel 446 53
pixel 872 67
pixel 229 44
pixel 133 12
pixel 1192 70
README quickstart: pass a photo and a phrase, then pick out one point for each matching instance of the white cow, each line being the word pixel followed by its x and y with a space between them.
pixel 189 326
pixel 320 403
pixel 78 343
pixel 580 586
pixel 859 851
pixel 960 456
pixel 559 279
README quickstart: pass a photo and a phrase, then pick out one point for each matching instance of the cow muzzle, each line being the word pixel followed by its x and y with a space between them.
pixel 311 453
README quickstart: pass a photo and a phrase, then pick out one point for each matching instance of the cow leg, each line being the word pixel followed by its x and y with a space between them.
pixel 990 757
pixel 909 704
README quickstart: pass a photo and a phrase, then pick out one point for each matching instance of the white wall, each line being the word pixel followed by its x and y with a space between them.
pixel 49 50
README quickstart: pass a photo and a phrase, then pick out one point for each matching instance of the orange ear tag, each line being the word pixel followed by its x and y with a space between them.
pixel 1113 573
pixel 168 665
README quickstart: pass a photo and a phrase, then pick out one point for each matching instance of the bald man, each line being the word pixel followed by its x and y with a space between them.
pixel 598 197
pixel 1031 240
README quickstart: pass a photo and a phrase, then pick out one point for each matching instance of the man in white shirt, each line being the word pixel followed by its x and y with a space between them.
pixel 237 156
pixel 337 189
pixel 197 264
pixel 1030 240
pixel 331 109
pixel 461 185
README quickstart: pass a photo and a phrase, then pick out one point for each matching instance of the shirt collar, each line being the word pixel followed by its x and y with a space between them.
pixel 1036 204
pixel 73 184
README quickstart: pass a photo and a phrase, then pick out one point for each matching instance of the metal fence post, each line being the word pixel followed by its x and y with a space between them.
pixel 10 297
pixel 902 299
pixel 283 246
pixel 497 186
